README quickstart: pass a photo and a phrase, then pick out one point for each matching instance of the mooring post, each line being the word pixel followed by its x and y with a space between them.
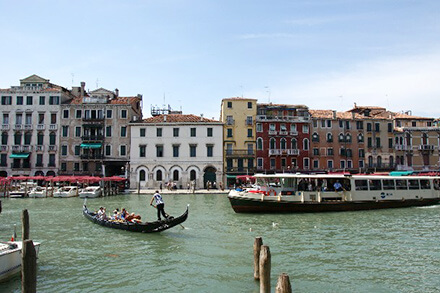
pixel 25 225
pixel 28 267
pixel 257 247
pixel 265 269
pixel 283 284
pixel 139 187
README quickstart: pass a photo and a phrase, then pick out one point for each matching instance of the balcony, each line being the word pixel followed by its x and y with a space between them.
pixel 53 127
pixel 93 119
pixel 26 148
pixel 92 137
pixel 52 148
pixel 272 132
pixel 240 153
pixel 5 126
pixel 426 147
pixel 401 147
pixel 92 157
pixel 230 122
pixel 18 126
pixel 28 127
pixel 41 126
pixel 3 148
pixel 282 118
pixel 241 170
pixel 39 148
pixel 294 132
pixel 284 152
pixel 249 122
pixel 284 132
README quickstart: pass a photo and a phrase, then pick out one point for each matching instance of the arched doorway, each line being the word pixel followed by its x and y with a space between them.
pixel 209 175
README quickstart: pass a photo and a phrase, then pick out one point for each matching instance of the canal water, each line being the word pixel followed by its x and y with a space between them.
pixel 369 251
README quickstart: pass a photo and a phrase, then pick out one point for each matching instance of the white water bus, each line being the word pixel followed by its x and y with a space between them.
pixel 298 193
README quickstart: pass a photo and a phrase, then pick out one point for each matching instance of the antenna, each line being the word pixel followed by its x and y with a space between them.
pixel 73 75
pixel 97 82
pixel 268 91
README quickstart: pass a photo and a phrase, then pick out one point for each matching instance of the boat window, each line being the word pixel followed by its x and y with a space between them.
pixel 436 184
pixel 425 184
pixel 389 184
pixel 361 184
pixel 375 184
pixel 413 184
pixel 401 184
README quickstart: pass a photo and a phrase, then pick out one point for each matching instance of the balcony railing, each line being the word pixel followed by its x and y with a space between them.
pixel 3 148
pixel 93 119
pixel 41 126
pixel 52 148
pixel 24 165
pixel 5 126
pixel 26 148
pixel 93 137
pixel 284 132
pixel 230 122
pixel 28 127
pixel 401 147
pixel 272 132
pixel 294 132
pixel 282 118
pixel 239 153
pixel 39 148
pixel 426 147
pixel 279 152
pixel 18 126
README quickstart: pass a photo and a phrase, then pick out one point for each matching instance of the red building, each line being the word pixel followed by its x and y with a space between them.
pixel 282 138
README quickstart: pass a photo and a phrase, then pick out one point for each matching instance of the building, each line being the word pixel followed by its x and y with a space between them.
pixel 282 138
pixel 238 116
pixel 30 127
pixel 176 148
pixel 95 132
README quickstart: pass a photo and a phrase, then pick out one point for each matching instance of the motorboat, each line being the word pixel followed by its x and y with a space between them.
pixel 40 191
pixel 19 193
pixel 10 258
pixel 90 192
pixel 66 191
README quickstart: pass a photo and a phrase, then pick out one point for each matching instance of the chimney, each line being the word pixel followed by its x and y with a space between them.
pixel 353 115
pixel 334 114
pixel 201 117
pixel 116 93
pixel 83 85
pixel 164 118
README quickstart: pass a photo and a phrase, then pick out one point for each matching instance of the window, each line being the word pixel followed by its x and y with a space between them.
pixel 39 162
pixel 361 185
pixel 78 114
pixel 176 175
pixel 176 150
pixel 293 144
pixel 260 163
pixel 123 150
pixel 52 138
pixel 315 164
pixel 229 104
pixel 193 132
pixel 329 123
pixel 359 124
pixel 85 166
pixel 390 143
pixel 65 131
pixel 316 151
pixel 64 150
pixel 377 127
pixel 283 144
pixel 360 137
pixel 65 114
pixel 369 142
pixel 54 100
pixel 108 131
pixel 75 166
pixel 259 143
pixel 40 138
pixel 330 164
pixel 5 118
pixel 305 128
pixel 369 127
pixel 388 184
pixel 272 143
pixel 17 138
pixel 192 150
pixel 330 152
pixel 19 100
pixel 124 114
pixel 306 163
pixel 259 127
pixel 27 138
pixel 63 166
pixel 18 119
pixel 159 132
pixel 272 163
pixel 53 118
pixel 271 127
pixel 375 184
pixel 329 137
pixel 209 150
pixel 390 127
pixel 315 137
pixel 51 160
pixel 192 175
pixel 249 132
pixel 142 132
pixel 209 131
pixel 159 151
pixel 142 151
pixel 108 150
pixel 109 114
pixel 175 132
pixel 142 175
pixel 29 100
pixel 249 120
pixel 378 145
pixel 250 149
pixel 123 131
pixel 229 132
pixel 4 138
pixel 249 105
pixel 159 175
pixel 6 100
pixel 77 150
pixel 78 131
pixel 42 100
pixel 306 144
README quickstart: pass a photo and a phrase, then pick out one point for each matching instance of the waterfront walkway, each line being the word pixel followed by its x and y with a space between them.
pixel 178 191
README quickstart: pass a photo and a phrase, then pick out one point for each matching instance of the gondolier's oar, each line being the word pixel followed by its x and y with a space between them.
pixel 168 216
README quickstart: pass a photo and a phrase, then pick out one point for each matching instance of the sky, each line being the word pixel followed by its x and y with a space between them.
pixel 191 54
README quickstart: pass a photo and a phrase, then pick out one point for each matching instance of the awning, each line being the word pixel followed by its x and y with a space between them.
pixel 231 176
pixel 401 173
pixel 19 156
pixel 91 145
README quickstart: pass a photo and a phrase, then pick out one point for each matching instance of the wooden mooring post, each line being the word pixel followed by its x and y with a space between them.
pixel 28 258
pixel 257 247
pixel 283 284
pixel 265 267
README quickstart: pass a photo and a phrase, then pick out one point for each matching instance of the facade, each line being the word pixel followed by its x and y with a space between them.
pixel 337 141
pixel 176 148
pixel 282 138
pixel 416 143
pixel 30 127
pixel 238 116
pixel 95 132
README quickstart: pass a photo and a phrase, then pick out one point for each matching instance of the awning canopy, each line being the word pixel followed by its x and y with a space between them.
pixel 19 156
pixel 93 145
pixel 231 176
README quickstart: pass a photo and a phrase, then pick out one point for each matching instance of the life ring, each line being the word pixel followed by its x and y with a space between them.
pixel 271 192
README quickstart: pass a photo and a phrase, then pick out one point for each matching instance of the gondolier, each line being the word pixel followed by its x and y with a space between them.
pixel 160 205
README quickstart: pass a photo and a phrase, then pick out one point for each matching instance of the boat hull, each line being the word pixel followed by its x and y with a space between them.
pixel 10 260
pixel 252 205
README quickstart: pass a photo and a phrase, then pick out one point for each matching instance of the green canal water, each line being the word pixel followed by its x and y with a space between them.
pixel 373 251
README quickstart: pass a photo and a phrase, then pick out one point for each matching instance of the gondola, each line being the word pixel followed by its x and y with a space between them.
pixel 144 227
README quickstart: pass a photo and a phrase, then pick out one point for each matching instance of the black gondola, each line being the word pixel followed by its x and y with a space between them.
pixel 145 227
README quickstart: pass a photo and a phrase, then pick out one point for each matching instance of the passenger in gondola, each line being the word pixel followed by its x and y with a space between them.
pixel 124 214
pixel 160 205
pixel 101 214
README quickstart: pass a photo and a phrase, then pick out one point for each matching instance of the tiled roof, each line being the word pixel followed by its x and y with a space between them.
pixel 177 118
pixel 281 105
pixel 406 116
pixel 328 114
pixel 115 101
pixel 239 98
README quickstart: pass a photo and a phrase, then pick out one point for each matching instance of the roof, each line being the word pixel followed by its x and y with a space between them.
pixel 329 114
pixel 239 98
pixel 177 118
pixel 115 101
pixel 281 105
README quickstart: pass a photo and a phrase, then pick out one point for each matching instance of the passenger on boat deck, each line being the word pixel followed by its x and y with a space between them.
pixel 132 217
pixel 101 213
pixel 338 186
pixel 124 214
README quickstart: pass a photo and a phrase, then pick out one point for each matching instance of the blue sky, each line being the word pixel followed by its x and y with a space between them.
pixel 326 54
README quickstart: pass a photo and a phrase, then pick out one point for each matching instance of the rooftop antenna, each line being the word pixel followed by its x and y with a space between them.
pixel 268 91
pixel 73 75
pixel 97 82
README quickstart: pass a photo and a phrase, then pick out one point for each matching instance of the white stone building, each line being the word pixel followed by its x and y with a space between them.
pixel 176 148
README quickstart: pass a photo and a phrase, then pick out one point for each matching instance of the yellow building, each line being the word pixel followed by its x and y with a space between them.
pixel 238 116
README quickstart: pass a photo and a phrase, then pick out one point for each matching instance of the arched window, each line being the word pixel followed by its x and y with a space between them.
pixel 176 175
pixel 425 139
pixel 294 144
pixel 329 137
pixel 341 137
pixel 259 143
pixel 283 144
pixel 379 161
pixel 192 175
pixel 142 175
pixel 52 138
pixel 370 161
pixel 348 137
pixel 315 137
pixel 40 138
pixel 272 143
pixel 391 161
pixel 360 137
pixel 159 175
pixel 306 144
pixel 4 138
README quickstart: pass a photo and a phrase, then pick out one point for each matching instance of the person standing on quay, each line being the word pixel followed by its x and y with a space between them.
pixel 160 205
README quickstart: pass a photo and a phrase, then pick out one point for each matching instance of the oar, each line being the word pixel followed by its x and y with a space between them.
pixel 179 224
